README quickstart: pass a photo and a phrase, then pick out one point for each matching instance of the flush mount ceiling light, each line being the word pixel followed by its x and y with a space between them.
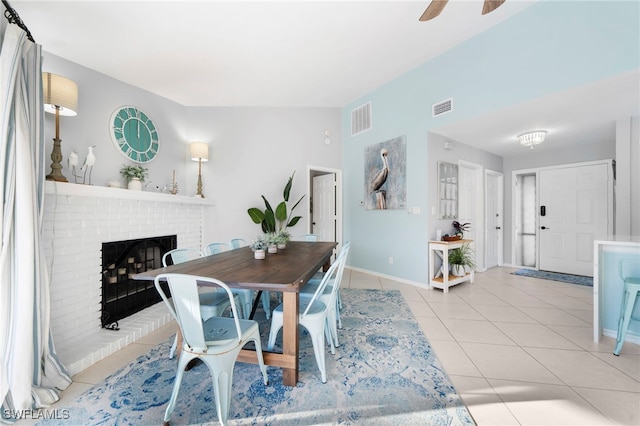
pixel 532 139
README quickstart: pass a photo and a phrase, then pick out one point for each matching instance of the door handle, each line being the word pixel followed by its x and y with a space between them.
pixel 497 227
pixel 544 227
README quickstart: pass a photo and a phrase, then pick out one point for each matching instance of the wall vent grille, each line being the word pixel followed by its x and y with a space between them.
pixel 361 119
pixel 442 107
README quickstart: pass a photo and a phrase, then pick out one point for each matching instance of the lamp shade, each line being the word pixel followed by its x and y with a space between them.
pixel 199 151
pixel 60 94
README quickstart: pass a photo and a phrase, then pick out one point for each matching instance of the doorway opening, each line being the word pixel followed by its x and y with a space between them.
pixel 324 204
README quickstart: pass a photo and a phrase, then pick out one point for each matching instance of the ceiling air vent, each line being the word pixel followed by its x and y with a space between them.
pixel 361 119
pixel 442 107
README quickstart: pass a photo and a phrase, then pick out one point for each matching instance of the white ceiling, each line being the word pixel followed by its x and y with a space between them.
pixel 293 54
pixel 260 53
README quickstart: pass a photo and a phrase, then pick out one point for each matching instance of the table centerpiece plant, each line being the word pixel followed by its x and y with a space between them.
pixel 282 238
pixel 259 246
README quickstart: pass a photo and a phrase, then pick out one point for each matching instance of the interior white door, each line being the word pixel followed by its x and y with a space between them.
pixel 573 213
pixel 494 196
pixel 324 207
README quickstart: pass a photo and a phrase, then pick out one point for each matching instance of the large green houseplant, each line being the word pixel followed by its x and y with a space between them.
pixel 462 259
pixel 274 221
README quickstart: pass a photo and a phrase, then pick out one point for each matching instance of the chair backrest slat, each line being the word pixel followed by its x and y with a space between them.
pixel 180 255
pixel 186 305
pixel 215 248
pixel 628 268
pixel 238 242
pixel 332 277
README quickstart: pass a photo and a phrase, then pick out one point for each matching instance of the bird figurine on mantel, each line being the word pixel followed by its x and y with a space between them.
pixel 379 179
pixel 73 163
pixel 88 164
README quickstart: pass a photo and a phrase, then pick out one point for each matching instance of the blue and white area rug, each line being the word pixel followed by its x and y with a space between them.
pixel 383 373
pixel 555 276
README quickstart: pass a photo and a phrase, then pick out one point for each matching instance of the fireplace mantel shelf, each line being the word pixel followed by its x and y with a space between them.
pixel 62 188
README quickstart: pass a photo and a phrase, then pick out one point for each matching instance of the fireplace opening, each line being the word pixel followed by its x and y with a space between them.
pixel 123 296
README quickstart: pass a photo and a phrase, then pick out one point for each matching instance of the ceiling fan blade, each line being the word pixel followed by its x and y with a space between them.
pixel 433 10
pixel 491 5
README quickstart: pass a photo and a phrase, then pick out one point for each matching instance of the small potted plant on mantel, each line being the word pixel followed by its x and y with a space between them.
pixel 135 175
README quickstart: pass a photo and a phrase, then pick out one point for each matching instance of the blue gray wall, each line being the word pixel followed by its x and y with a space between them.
pixel 549 47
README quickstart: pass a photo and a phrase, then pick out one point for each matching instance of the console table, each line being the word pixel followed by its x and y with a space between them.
pixel 441 248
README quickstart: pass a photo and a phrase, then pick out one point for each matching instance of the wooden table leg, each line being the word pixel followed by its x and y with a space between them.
pixel 290 337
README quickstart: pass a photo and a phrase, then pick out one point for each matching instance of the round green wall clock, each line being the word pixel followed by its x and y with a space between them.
pixel 134 134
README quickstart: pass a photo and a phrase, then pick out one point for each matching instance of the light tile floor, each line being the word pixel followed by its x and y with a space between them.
pixel 518 350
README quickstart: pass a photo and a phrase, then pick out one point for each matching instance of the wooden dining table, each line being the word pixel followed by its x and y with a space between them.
pixel 286 271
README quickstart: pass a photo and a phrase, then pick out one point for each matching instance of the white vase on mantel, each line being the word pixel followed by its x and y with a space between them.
pixel 135 184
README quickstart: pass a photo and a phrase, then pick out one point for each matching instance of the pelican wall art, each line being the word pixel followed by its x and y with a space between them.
pixel 385 175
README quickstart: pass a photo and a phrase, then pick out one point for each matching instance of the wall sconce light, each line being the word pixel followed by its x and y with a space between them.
pixel 199 153
pixel 60 98
pixel 532 139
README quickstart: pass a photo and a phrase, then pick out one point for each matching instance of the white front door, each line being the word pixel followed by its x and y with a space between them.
pixel 493 205
pixel 573 212
pixel 324 207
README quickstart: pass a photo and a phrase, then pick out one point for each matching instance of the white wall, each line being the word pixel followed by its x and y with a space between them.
pixel 628 176
pixel 252 152
pixel 98 97
pixel 535 159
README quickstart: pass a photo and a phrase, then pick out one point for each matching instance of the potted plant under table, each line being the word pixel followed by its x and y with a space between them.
pixel 462 259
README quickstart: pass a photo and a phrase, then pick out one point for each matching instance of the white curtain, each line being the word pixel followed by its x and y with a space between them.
pixel 30 373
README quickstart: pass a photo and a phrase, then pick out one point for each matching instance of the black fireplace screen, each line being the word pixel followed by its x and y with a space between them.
pixel 121 294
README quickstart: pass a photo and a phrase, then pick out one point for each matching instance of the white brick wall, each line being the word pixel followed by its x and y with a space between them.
pixel 77 220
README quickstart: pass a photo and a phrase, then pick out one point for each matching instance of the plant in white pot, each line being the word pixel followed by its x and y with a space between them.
pixel 135 175
pixel 282 238
pixel 259 247
pixel 272 242
pixel 462 259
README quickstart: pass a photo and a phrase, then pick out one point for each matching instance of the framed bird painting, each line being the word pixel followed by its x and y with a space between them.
pixel 385 175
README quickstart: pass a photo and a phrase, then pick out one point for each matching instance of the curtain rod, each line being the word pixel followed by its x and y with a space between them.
pixel 13 18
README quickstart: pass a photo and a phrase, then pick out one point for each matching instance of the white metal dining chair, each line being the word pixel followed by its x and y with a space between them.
pixel 238 242
pixel 212 303
pixel 216 341
pixel 313 317
pixel 245 296
pixel 333 316
pixel 629 271
pixel 215 248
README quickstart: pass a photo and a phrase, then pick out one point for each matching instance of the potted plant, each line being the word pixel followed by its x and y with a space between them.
pixel 272 242
pixel 282 238
pixel 461 259
pixel 461 227
pixel 281 218
pixel 135 175
pixel 259 246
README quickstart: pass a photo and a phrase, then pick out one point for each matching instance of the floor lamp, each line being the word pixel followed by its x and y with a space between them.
pixel 60 98
pixel 199 153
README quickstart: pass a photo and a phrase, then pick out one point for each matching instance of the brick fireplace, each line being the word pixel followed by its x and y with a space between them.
pixel 77 220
